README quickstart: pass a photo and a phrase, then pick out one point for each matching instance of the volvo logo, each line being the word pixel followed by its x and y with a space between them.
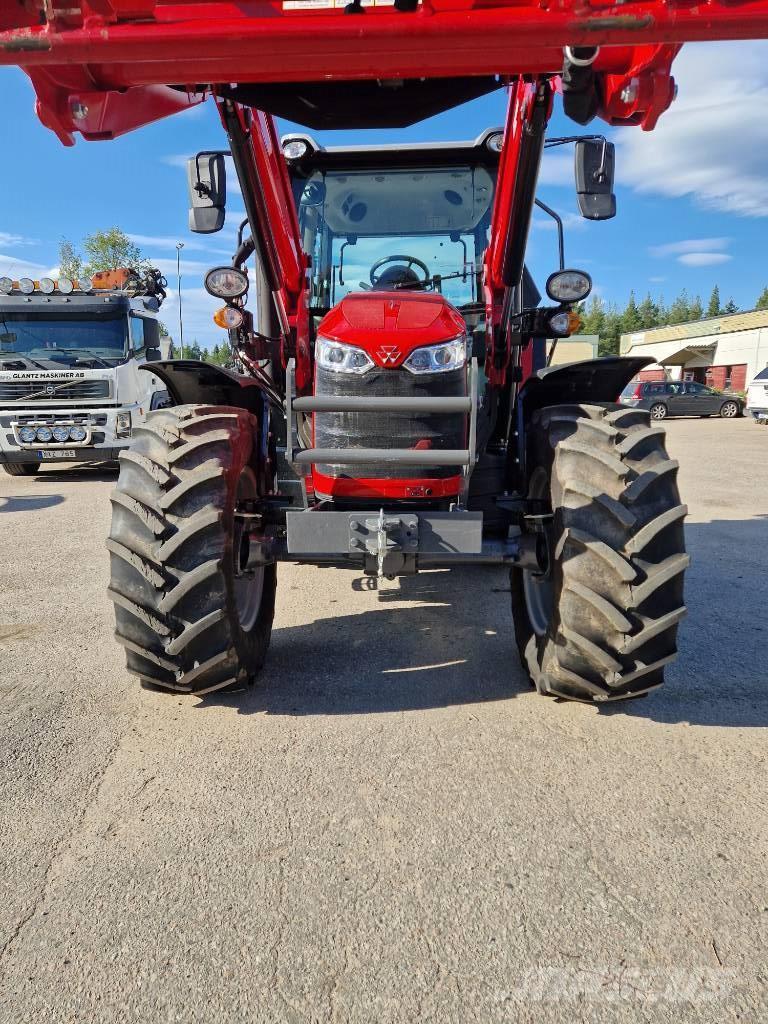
pixel 389 354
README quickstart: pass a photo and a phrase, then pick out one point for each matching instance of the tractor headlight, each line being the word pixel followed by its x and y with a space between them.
pixel 569 286
pixel 77 433
pixel 27 434
pixel 450 355
pixel 226 282
pixel 332 355
pixel 61 434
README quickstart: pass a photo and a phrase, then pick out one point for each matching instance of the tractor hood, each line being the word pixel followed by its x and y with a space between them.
pixel 390 325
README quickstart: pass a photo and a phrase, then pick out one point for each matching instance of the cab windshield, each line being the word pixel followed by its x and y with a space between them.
pixel 54 341
pixel 421 229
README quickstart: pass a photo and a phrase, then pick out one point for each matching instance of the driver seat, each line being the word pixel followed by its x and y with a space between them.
pixel 393 279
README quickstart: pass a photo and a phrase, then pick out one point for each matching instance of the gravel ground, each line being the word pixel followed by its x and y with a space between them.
pixel 393 828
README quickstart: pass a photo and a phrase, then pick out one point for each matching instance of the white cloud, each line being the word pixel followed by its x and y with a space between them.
pixel 703 259
pixel 571 222
pixel 688 245
pixel 557 167
pixel 712 144
pixel 16 267
pixel 8 239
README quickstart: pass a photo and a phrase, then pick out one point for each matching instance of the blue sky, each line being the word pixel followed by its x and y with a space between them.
pixel 692 196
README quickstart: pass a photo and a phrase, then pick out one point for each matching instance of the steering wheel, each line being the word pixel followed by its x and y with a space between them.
pixel 409 261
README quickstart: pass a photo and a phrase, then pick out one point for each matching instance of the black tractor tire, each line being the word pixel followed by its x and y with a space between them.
pixel 605 624
pixel 730 410
pixel 188 622
pixel 658 411
pixel 21 468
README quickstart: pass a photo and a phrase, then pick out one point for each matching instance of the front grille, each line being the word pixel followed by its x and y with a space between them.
pixel 389 429
pixel 18 390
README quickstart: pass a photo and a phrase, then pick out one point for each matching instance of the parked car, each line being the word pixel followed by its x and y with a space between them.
pixel 681 398
pixel 757 397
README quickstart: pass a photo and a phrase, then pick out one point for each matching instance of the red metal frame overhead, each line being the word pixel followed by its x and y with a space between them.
pixel 83 54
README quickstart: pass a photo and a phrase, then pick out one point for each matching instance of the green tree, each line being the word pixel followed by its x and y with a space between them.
pixel 713 308
pixel 680 310
pixel 193 351
pixel 70 264
pixel 762 300
pixel 163 329
pixel 731 307
pixel 696 311
pixel 593 317
pixel 630 319
pixel 663 317
pixel 110 250
pixel 648 311
pixel 609 339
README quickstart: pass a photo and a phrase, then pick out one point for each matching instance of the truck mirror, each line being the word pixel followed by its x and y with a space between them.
pixel 595 168
pixel 207 184
pixel 153 355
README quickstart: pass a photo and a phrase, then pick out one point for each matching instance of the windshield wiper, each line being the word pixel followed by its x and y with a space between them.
pixel 15 357
pixel 87 353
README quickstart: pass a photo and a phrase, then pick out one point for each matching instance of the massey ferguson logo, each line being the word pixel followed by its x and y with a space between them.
pixel 389 354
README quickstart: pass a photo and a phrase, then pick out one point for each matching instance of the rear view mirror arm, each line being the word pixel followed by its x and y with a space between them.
pixel 559 221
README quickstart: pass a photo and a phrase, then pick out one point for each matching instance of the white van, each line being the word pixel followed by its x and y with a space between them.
pixel 757 397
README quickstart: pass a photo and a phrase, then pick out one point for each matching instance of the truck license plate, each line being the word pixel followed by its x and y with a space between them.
pixel 59 453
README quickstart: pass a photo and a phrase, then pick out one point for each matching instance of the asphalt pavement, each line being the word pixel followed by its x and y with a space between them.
pixel 392 827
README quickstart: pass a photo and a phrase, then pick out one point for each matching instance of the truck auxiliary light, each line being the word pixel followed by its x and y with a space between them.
pixel 26 285
pixel 65 285
pixel 6 286
pixel 46 285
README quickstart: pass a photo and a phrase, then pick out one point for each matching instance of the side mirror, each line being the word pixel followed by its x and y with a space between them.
pixel 595 169
pixel 207 184
pixel 153 355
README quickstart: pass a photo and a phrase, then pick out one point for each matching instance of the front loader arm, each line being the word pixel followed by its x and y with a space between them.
pixel 271 211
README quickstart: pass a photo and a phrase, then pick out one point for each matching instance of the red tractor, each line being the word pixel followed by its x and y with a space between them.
pixel 396 408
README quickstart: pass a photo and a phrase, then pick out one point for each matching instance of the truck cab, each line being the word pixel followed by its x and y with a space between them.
pixel 70 387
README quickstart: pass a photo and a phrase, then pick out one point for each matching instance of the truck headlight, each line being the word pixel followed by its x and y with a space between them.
pixel 27 434
pixel 77 433
pixel 451 355
pixel 43 434
pixel 123 424
pixel 61 434
pixel 332 355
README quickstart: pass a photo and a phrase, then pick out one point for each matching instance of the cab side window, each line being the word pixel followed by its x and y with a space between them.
pixel 138 343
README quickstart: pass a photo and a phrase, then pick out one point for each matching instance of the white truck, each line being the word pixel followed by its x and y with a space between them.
pixel 70 386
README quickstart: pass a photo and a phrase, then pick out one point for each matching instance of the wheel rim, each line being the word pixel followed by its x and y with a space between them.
pixel 248 589
pixel 658 412
pixel 728 410
pixel 537 586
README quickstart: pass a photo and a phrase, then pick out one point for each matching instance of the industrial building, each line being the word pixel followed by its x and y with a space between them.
pixel 723 351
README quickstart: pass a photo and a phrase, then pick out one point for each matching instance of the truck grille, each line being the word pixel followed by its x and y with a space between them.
pixel 18 390
pixel 389 429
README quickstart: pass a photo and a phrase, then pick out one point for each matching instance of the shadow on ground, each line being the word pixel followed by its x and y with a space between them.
pixel 456 646
pixel 88 472
pixel 29 502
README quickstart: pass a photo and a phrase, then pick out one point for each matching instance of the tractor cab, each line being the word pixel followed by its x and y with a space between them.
pixel 397 237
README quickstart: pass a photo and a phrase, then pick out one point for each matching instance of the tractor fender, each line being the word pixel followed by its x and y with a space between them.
pixel 591 381
pixel 193 382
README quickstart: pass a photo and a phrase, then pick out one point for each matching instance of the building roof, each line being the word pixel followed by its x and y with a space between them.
pixel 696 329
